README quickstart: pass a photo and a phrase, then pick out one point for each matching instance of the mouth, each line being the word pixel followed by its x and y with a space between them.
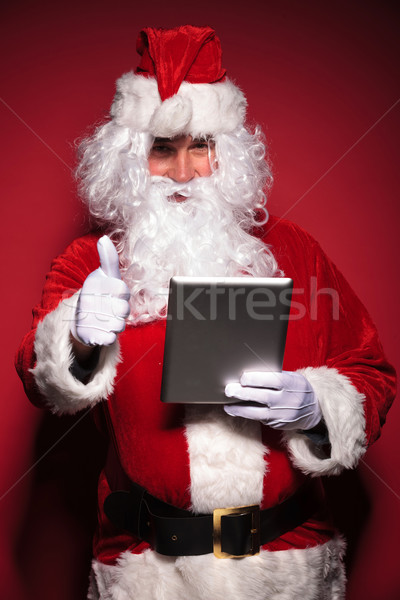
pixel 177 197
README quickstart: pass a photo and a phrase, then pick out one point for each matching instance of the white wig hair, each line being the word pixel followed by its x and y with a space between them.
pixel 216 222
pixel 113 174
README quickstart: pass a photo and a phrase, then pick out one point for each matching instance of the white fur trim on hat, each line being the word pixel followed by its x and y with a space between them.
pixel 198 109
pixel 342 409
pixel 63 392
pixel 312 574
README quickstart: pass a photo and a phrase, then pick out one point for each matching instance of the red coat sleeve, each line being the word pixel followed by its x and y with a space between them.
pixel 352 344
pixel 333 342
pixel 67 274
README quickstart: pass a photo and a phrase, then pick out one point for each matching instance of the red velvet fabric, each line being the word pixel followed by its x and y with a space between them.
pixel 186 53
pixel 151 436
pixel 66 276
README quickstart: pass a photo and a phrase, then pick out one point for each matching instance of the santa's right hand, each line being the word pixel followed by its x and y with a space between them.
pixel 103 303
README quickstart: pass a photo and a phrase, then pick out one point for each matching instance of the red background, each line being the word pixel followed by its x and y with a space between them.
pixel 322 80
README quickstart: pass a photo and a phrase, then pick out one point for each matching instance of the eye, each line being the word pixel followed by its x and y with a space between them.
pixel 160 150
pixel 202 145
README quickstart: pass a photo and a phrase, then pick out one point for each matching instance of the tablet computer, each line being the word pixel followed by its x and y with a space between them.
pixel 219 327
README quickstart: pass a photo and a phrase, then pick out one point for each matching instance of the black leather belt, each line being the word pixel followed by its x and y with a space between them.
pixel 228 532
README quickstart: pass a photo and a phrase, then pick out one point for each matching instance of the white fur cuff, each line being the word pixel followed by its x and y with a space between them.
pixel 342 409
pixel 64 394
pixel 197 109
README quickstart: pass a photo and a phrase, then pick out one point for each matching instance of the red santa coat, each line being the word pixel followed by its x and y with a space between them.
pixel 200 458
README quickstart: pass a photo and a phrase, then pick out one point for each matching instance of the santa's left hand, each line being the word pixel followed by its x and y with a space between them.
pixel 284 400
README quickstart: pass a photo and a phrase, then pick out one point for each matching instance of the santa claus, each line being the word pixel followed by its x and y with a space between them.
pixel 177 182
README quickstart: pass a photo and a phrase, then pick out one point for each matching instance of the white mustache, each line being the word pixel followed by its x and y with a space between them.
pixel 168 187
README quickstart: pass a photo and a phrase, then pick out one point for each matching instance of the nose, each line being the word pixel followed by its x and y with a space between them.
pixel 182 168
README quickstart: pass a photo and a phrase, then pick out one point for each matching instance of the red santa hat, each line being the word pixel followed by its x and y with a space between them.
pixel 179 86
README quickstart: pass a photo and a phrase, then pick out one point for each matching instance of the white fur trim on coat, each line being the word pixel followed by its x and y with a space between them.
pixel 198 109
pixel 342 409
pixel 64 394
pixel 312 574
pixel 226 457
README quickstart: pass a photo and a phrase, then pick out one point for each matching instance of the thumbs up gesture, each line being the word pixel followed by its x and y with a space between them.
pixel 103 303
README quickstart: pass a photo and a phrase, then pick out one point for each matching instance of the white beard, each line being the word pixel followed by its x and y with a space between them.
pixel 201 236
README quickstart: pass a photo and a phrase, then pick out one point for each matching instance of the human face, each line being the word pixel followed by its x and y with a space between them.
pixel 181 159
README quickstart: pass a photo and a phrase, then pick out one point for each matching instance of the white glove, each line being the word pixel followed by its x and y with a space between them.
pixel 103 302
pixel 284 400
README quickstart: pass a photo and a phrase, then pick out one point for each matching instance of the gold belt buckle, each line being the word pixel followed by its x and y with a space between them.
pixel 218 513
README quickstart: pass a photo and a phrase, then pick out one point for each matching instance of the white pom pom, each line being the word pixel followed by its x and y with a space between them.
pixel 172 117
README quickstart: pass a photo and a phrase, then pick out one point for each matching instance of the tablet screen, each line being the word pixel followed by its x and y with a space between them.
pixel 219 327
